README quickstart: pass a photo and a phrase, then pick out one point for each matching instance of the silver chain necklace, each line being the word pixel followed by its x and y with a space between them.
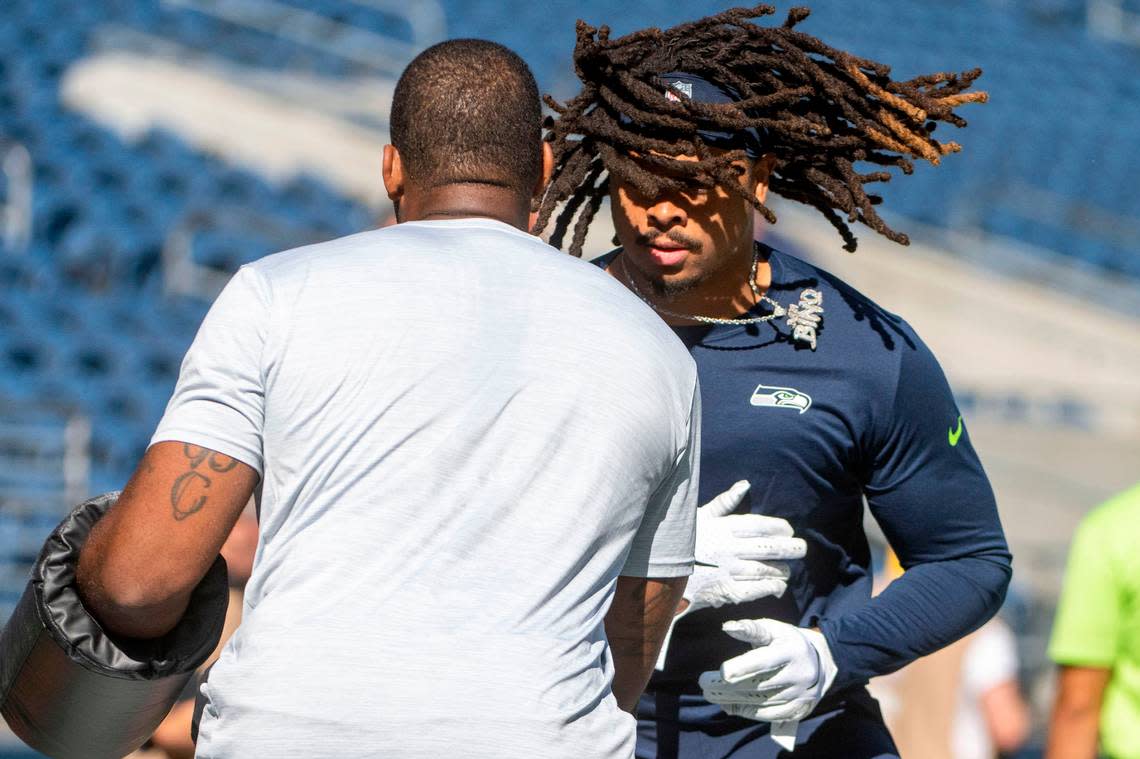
pixel 777 309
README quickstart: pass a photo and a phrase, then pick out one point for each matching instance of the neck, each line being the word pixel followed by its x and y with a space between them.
pixel 467 200
pixel 724 294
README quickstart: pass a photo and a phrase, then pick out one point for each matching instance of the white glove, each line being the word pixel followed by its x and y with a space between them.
pixel 739 556
pixel 781 679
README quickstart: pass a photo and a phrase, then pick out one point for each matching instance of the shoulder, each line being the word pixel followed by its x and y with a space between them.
pixel 869 340
pixel 1114 524
pixel 486 248
pixel 290 261
pixel 603 261
pixel 1123 507
pixel 289 269
pixel 846 309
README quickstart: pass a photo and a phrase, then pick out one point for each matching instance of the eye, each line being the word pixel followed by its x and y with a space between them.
pixel 784 395
pixel 738 169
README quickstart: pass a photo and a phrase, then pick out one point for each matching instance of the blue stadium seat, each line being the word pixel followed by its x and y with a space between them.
pixel 84 326
pixel 29 352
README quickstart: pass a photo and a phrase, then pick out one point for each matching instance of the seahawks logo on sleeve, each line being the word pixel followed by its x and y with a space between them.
pixel 781 397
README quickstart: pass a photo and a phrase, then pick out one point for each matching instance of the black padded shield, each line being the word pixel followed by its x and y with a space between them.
pixel 68 688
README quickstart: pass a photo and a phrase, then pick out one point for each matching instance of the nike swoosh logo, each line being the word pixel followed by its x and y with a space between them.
pixel 955 435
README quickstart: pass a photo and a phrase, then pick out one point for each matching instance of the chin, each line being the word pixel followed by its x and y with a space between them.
pixel 675 284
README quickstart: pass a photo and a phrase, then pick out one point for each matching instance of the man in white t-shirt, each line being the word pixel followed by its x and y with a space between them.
pixel 992 718
pixel 475 460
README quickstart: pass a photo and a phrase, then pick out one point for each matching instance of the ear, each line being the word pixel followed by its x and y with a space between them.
pixel 547 168
pixel 762 169
pixel 393 173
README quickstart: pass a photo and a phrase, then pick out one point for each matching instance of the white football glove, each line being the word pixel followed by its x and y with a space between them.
pixel 781 679
pixel 740 557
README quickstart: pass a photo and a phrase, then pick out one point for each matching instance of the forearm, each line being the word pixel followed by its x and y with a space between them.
pixel 1075 723
pixel 1073 736
pixel 1007 716
pixel 139 622
pixel 635 628
pixel 116 592
pixel 929 607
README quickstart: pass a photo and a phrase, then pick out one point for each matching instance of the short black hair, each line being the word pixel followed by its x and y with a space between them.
pixel 468 110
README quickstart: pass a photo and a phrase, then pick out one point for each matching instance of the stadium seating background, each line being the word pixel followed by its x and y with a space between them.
pixel 103 207
pixel 87 328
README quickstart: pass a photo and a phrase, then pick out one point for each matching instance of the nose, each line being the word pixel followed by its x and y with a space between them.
pixel 665 214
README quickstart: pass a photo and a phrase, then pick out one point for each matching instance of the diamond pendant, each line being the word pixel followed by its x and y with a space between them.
pixel 804 317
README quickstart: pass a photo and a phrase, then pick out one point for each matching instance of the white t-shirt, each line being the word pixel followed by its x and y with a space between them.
pixel 464 438
pixel 990 659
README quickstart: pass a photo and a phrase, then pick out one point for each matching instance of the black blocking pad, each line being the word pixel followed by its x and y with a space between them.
pixel 69 689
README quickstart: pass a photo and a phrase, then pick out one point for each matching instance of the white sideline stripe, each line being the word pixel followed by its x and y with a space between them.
pixel 425 17
pixel 133 93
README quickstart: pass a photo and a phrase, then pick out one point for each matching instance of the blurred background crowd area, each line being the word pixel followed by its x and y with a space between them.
pixel 150 147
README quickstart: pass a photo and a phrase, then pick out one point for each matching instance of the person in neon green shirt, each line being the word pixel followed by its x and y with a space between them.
pixel 1096 637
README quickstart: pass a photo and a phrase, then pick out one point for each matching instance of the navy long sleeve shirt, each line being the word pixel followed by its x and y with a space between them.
pixel 867 414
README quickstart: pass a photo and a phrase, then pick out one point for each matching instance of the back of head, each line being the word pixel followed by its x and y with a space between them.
pixel 468 111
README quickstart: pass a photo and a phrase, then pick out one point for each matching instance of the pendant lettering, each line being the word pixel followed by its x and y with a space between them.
pixel 804 317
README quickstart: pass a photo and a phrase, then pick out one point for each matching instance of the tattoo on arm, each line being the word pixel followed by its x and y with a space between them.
pixel 188 495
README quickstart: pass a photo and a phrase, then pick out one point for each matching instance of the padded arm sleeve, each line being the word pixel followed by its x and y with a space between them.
pixel 69 689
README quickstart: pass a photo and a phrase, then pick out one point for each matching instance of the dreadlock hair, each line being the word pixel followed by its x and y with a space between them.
pixel 821 110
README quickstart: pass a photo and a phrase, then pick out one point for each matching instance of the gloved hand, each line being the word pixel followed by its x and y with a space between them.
pixel 781 679
pixel 740 557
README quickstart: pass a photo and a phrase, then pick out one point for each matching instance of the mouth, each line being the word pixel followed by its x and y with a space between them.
pixel 668 257
pixel 666 253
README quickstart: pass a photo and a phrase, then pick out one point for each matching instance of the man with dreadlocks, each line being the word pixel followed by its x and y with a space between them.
pixel 814 397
